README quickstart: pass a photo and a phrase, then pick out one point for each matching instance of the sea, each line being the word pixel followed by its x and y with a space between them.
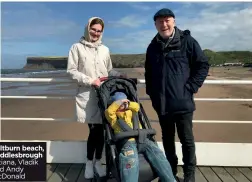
pixel 10 72
pixel 39 89
pixel 29 88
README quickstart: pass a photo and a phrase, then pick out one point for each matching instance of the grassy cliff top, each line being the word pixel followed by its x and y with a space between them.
pixel 137 60
pixel 47 57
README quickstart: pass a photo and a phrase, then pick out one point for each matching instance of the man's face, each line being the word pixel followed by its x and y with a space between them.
pixel 165 26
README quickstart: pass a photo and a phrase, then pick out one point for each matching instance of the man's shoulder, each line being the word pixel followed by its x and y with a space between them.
pixel 152 45
pixel 186 32
pixel 187 35
pixel 153 41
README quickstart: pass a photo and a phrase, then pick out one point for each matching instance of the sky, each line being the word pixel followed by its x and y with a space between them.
pixel 50 28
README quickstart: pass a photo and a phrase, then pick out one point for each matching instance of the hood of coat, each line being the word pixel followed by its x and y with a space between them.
pixel 86 38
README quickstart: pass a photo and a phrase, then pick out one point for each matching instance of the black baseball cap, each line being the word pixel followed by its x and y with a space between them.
pixel 163 13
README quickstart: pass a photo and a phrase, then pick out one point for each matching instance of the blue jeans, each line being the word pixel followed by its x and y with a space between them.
pixel 129 163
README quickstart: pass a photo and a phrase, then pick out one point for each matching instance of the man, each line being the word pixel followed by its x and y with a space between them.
pixel 175 69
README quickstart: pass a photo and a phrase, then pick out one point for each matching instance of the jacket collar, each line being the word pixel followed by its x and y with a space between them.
pixel 175 41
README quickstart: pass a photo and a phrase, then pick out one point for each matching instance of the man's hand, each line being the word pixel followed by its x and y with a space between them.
pixel 96 82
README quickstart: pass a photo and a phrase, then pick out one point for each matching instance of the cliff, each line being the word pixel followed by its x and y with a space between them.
pixel 46 63
pixel 118 61
pixel 137 60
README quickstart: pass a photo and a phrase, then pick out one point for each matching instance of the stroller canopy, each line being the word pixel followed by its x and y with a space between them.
pixel 112 85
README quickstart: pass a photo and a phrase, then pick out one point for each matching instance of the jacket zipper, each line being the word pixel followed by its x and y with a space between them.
pixel 164 77
pixel 163 99
pixel 95 62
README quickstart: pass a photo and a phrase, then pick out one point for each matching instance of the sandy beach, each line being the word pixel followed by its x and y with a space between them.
pixel 55 130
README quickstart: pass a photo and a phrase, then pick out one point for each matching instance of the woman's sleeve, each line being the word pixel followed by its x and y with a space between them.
pixel 111 71
pixel 72 68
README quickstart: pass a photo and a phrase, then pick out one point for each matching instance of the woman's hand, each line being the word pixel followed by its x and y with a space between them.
pixel 96 82
pixel 124 75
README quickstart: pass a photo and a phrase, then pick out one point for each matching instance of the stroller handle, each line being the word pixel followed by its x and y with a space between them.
pixel 102 79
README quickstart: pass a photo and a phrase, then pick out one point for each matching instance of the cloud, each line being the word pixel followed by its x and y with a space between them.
pixel 139 6
pixel 131 21
pixel 131 42
pixel 223 6
pixel 153 6
pixel 216 26
pixel 229 30
pixel 33 22
pixel 34 29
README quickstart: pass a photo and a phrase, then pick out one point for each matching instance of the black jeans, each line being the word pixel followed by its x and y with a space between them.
pixel 184 127
pixel 95 141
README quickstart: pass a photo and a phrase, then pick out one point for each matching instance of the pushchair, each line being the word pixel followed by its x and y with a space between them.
pixel 113 142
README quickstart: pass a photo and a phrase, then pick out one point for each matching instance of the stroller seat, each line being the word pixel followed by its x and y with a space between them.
pixel 114 142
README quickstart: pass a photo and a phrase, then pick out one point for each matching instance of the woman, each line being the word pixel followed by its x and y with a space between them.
pixel 88 60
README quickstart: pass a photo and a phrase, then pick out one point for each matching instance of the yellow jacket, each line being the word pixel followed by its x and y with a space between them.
pixel 111 114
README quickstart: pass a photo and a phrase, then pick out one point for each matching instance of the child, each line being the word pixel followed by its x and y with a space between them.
pixel 124 109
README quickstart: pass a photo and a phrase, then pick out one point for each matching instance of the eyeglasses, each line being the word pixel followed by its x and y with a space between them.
pixel 94 30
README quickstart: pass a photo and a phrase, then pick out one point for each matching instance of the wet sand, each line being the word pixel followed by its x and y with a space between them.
pixel 56 130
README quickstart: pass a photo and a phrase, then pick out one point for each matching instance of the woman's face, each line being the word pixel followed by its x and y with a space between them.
pixel 95 32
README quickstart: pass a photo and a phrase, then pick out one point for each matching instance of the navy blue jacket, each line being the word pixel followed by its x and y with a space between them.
pixel 174 72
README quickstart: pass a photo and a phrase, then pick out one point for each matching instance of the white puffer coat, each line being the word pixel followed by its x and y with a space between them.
pixel 86 62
